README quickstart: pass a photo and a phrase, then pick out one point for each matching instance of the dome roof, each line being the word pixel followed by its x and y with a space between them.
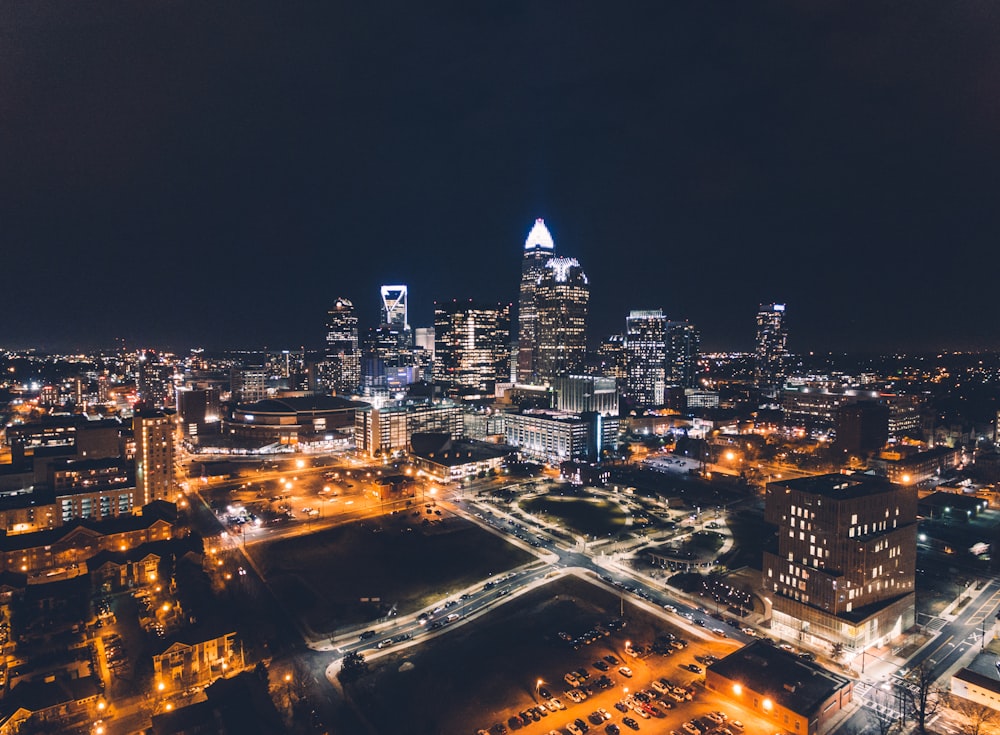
pixel 539 237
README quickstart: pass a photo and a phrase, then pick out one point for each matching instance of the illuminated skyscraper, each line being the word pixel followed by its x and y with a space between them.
pixel 154 380
pixel 471 346
pixel 343 357
pixel 771 351
pixel 394 313
pixel 646 356
pixel 538 249
pixel 683 341
pixel 562 298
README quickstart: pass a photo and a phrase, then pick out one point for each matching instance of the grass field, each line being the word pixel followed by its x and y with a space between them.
pixel 325 575
pixel 586 516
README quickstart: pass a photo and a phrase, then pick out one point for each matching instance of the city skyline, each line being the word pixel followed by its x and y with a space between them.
pixel 697 161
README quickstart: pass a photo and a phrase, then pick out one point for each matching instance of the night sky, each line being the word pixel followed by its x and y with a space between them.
pixel 215 173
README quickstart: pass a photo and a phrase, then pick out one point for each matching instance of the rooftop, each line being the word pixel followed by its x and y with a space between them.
pixel 792 683
pixel 839 487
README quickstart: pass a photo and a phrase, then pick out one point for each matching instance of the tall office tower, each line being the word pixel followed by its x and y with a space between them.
pixel 394 314
pixel 343 356
pixel 562 297
pixel 612 354
pixel 538 249
pixel 154 456
pixel 154 380
pixel 471 346
pixel 248 384
pixel 770 353
pixel 423 338
pixel 646 356
pixel 846 561
pixel 683 340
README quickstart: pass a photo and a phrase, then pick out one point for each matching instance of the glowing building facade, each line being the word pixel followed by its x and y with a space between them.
pixel 562 299
pixel 342 372
pixel 154 456
pixel 538 249
pixel 646 356
pixel 771 348
pixel 845 564
pixel 471 346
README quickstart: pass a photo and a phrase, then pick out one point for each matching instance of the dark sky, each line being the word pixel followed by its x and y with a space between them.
pixel 192 172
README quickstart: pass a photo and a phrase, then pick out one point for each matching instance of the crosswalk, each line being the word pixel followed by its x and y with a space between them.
pixel 936 625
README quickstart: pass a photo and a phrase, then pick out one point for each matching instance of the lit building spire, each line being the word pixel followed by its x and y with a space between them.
pixel 539 237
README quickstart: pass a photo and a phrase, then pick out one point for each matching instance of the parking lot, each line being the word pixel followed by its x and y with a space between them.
pixel 523 671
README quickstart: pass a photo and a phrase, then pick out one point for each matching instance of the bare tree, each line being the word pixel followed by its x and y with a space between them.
pixel 921 698
pixel 884 718
pixel 975 717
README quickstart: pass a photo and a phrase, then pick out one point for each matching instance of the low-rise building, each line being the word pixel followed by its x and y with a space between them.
pixel 446 459
pixel 797 696
pixel 916 468
pixel 55 704
pixel 70 546
pixel 196 657
pixel 976 687
pixel 557 436
pixel 389 428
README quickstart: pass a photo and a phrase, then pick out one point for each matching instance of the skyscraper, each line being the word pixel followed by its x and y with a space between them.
pixel 394 313
pixel 154 380
pixel 771 351
pixel 562 298
pixel 683 341
pixel 471 345
pixel 538 249
pixel 646 355
pixel 343 357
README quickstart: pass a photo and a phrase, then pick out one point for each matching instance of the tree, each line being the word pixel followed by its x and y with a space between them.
pixel 884 718
pixel 974 716
pixel 353 667
pixel 921 699
pixel 837 651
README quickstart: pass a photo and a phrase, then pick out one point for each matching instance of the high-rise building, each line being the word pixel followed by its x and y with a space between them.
pixel 538 249
pixel 154 380
pixel 683 340
pixel 248 384
pixel 646 356
pixel 846 560
pixel 770 347
pixel 394 314
pixel 562 298
pixel 423 338
pixel 342 373
pixel 197 408
pixel 612 356
pixel 154 456
pixel 584 393
pixel 471 343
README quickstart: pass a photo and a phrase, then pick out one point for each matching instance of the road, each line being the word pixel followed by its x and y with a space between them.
pixel 953 639
pixel 556 556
